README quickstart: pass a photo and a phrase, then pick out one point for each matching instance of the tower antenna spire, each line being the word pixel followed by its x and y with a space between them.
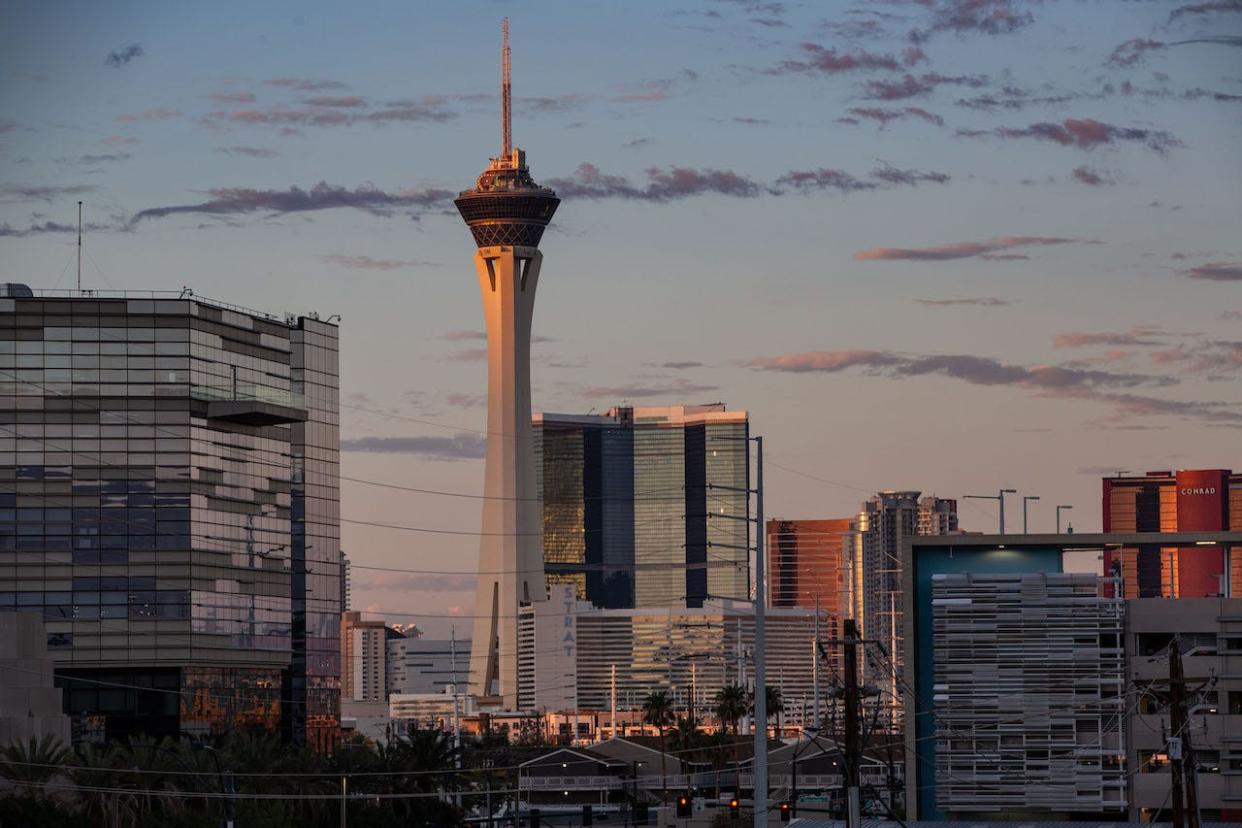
pixel 506 112
pixel 79 245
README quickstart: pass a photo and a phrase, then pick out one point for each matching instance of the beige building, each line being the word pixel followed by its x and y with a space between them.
pixel 364 655
pixel 1210 632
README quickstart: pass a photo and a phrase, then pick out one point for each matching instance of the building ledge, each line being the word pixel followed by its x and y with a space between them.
pixel 255 412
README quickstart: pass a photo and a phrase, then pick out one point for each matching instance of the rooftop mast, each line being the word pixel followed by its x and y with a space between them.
pixel 506 114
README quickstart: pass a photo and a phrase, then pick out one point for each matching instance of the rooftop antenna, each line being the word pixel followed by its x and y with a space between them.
pixel 79 246
pixel 506 115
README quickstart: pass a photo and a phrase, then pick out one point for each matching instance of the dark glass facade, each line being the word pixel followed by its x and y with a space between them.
pixel 166 469
pixel 633 499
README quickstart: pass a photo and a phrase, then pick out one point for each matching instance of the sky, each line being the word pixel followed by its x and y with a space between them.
pixel 945 245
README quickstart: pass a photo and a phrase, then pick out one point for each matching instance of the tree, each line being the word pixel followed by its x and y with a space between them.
pixel 732 703
pixel 658 711
pixel 775 703
pixel 32 764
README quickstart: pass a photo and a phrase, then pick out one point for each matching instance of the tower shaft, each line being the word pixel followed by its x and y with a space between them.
pixel 510 549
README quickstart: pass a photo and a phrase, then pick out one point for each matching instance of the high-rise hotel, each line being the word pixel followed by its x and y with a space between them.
pixel 169 506
pixel 1186 500
pixel 646 507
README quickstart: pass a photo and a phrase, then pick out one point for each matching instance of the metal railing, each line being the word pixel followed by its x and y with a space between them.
pixel 164 295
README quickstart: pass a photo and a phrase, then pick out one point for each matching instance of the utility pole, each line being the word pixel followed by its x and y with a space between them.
pixel 760 796
pixel 815 670
pixel 853 747
pixel 344 793
pixel 1178 731
pixel 613 675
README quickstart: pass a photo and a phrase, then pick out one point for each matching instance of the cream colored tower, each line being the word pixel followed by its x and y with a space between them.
pixel 507 213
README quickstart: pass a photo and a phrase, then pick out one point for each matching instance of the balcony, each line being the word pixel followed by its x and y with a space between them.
pixel 253 405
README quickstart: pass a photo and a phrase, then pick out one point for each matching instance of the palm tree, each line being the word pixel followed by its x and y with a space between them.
pixel 658 711
pixel 34 763
pixel 732 703
pixel 775 704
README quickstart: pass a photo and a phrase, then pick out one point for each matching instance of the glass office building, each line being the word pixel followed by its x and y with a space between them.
pixel 646 507
pixel 169 505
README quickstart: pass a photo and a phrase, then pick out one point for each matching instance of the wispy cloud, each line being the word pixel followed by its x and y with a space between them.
pixel 123 56
pixel 7 231
pixel 460 400
pixel 588 182
pixel 306 84
pixel 225 98
pixel 986 17
pixel 1136 50
pixel 959 250
pixel 249 152
pixel 1094 178
pixel 336 101
pixel 156 114
pixel 119 140
pixel 1083 133
pixel 910 86
pixel 17 193
pixel 95 158
pixel 322 196
pixel 884 116
pixel 367 263
pixel 825 61
pixel 1141 336
pixel 676 389
pixel 1215 358
pixel 968 368
pixel 1216 272
pixel 975 301
pixel 459 447
pixel 1201 9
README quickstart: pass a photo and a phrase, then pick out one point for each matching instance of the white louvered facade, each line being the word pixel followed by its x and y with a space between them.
pixel 1029 694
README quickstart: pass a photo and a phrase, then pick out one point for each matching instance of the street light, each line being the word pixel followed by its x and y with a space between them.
pixel 1059 508
pixel 999 497
pixel 226 785
pixel 1025 500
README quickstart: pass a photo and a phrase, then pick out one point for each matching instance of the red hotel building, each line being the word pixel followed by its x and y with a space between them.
pixel 1188 500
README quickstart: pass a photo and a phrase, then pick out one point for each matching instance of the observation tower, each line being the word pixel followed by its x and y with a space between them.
pixel 507 213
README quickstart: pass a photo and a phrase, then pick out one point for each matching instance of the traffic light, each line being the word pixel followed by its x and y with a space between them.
pixel 735 808
pixel 786 811
pixel 683 806
pixel 588 818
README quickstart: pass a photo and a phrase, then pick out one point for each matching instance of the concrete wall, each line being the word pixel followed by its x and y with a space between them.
pixel 30 705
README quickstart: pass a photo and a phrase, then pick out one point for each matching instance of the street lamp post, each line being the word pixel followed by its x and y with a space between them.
pixel 999 497
pixel 1025 500
pixel 1059 508
pixel 226 786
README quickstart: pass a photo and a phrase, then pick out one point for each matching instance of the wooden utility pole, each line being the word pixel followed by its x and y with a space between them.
pixel 853 737
pixel 1177 746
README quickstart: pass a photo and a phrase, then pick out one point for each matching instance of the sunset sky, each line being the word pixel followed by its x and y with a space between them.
pixel 947 245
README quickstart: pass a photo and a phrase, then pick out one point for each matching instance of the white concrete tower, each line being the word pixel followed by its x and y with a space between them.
pixel 507 213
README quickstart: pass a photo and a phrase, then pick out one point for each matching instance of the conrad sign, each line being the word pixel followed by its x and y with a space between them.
pixel 1198 490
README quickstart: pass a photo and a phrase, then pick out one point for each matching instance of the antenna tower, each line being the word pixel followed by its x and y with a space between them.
pixel 79 245
pixel 506 113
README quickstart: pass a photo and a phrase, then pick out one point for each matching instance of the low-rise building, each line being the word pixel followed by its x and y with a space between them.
pixel 1208 633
